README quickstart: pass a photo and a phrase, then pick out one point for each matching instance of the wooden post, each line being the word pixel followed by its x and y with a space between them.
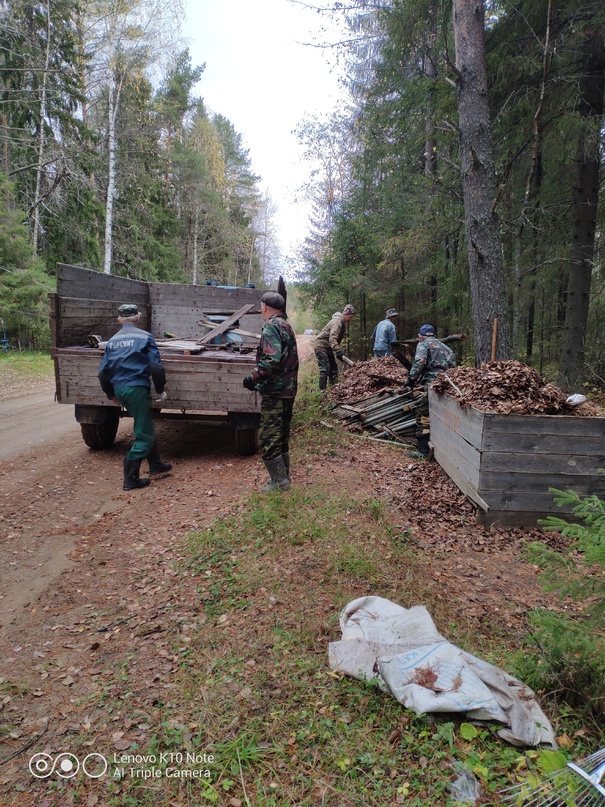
pixel 494 339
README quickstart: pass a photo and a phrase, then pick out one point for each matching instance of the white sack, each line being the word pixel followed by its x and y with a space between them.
pixel 403 650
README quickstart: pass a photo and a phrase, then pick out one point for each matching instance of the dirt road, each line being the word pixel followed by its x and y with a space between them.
pixel 33 419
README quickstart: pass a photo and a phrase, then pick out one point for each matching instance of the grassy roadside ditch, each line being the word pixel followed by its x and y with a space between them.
pixel 25 366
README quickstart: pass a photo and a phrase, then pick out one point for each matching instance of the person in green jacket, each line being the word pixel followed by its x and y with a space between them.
pixel 432 358
pixel 327 346
pixel 275 377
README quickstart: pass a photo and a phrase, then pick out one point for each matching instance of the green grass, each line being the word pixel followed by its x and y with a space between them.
pixel 283 729
pixel 22 366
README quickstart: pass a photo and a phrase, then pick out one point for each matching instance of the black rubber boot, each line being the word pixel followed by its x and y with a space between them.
pixel 323 383
pixel 286 459
pixel 131 475
pixel 156 466
pixel 423 452
pixel 423 446
pixel 279 475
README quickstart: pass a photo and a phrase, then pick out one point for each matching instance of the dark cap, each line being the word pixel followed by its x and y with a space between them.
pixel 392 313
pixel 426 330
pixel 128 310
pixel 274 300
pixel 348 309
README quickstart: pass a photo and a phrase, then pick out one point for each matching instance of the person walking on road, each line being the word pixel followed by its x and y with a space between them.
pixel 275 377
pixel 385 335
pixel 432 358
pixel 327 346
pixel 131 357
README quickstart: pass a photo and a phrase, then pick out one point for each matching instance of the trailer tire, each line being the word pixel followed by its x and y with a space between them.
pixel 101 435
pixel 246 441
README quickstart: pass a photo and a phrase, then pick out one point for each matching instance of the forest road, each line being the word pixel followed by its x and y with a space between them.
pixel 57 494
pixel 33 419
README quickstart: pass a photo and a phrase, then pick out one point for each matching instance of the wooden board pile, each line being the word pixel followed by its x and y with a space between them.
pixel 508 387
pixel 389 415
pixel 369 399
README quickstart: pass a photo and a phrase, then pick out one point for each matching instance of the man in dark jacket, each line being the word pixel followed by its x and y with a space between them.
pixel 275 377
pixel 131 356
pixel 432 358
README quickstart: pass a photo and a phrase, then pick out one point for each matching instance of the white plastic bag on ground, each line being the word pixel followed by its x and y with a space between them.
pixel 403 650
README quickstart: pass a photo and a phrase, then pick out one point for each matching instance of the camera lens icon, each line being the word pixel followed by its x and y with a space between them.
pixel 65 765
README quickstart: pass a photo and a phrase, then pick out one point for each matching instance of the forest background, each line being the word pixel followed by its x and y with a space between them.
pixel 110 161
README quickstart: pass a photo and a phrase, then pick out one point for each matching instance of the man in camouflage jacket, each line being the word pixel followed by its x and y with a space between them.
pixel 327 346
pixel 276 378
pixel 432 358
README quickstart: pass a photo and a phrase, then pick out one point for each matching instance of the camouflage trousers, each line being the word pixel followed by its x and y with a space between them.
pixel 328 368
pixel 423 426
pixel 275 422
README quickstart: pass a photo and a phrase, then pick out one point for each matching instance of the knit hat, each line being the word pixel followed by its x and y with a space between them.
pixel 274 300
pixel 391 313
pixel 426 330
pixel 128 310
pixel 348 309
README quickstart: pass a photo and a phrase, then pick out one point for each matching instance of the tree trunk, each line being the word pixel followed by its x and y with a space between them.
pixel 196 229
pixel 586 197
pixel 41 138
pixel 478 183
pixel 111 177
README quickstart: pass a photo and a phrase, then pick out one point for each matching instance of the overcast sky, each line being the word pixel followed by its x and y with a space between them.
pixel 262 77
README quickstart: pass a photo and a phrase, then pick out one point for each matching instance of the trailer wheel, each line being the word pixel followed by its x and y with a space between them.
pixel 101 435
pixel 246 441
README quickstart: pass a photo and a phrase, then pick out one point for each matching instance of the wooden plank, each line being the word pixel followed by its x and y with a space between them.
pixel 75 281
pixel 468 423
pixel 512 480
pixel 219 329
pixel 210 299
pixel 524 501
pixel 447 440
pixel 540 443
pixel 556 425
pixel 452 466
pixel 80 316
pixel 507 518
pixel 460 457
pixel 575 464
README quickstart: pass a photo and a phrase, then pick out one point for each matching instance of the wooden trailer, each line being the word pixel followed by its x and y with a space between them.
pixel 204 381
pixel 506 464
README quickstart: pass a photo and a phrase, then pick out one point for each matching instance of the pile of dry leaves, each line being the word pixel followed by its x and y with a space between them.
pixel 508 387
pixel 368 377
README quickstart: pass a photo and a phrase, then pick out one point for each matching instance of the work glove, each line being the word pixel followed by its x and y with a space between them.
pixel 409 384
pixel 339 355
pixel 162 397
pixel 249 383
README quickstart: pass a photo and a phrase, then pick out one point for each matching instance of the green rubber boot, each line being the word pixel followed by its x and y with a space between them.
pixel 279 475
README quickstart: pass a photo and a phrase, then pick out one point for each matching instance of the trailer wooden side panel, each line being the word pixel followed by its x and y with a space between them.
pixel 177 308
pixel 199 384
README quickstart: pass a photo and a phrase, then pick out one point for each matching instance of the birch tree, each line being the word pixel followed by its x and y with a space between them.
pixel 124 36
